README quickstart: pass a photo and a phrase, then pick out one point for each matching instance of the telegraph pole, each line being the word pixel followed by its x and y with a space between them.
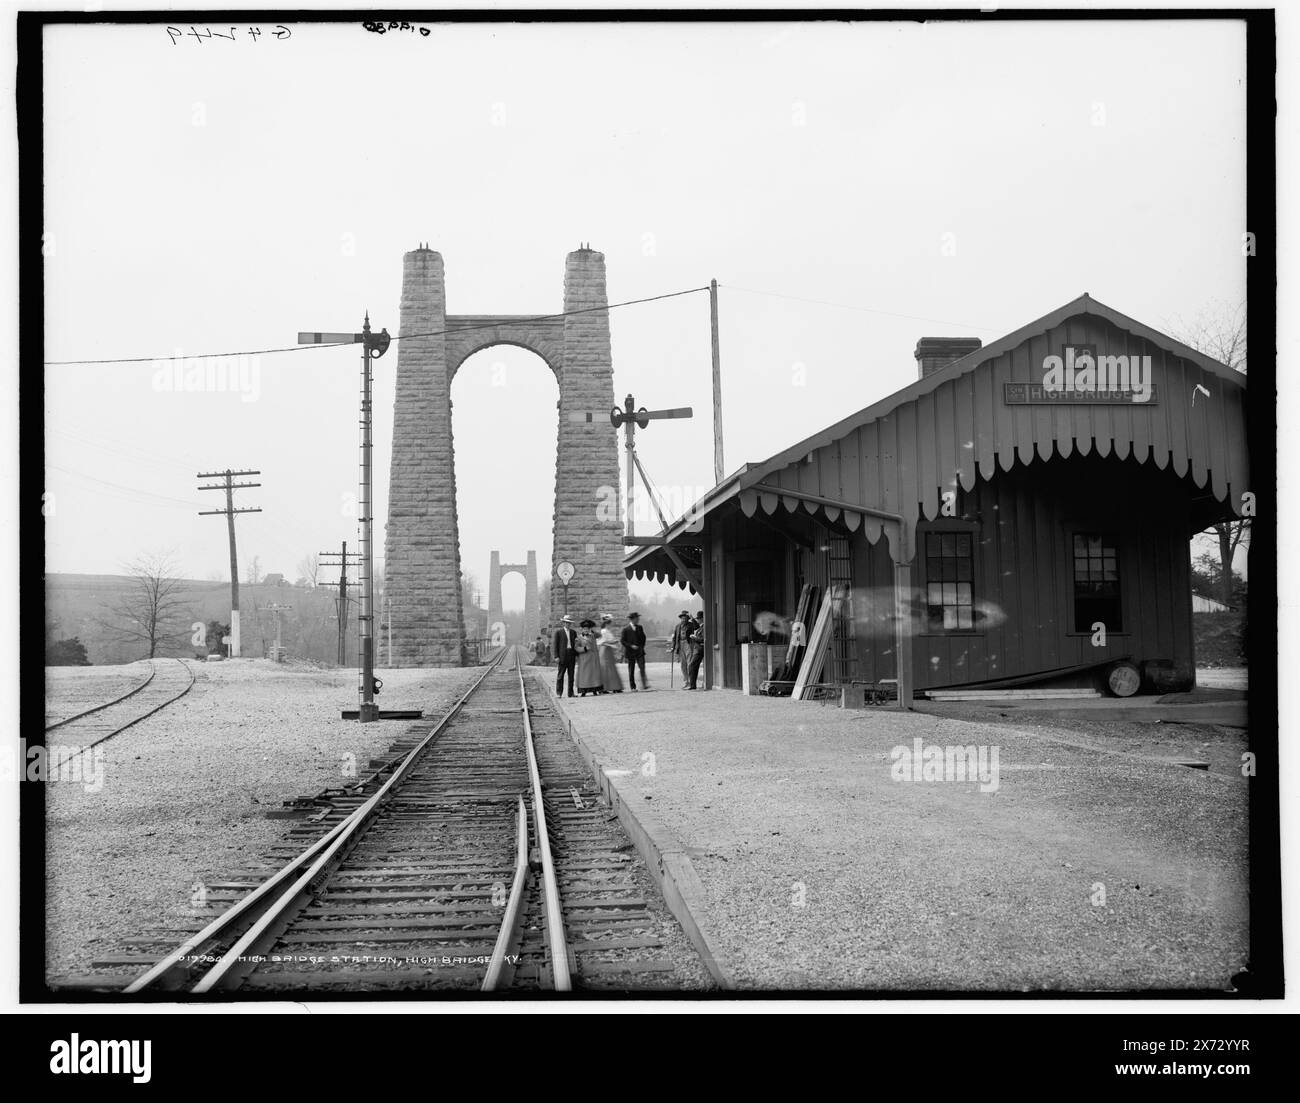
pixel 718 470
pixel 342 600
pixel 230 486
pixel 372 345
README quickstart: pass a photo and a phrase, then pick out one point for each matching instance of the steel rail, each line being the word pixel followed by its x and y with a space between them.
pixel 552 912
pixel 514 907
pixel 134 720
pixel 270 900
pixel 153 669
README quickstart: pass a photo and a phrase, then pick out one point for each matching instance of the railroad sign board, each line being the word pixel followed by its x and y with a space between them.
pixel 1036 394
pixel 565 571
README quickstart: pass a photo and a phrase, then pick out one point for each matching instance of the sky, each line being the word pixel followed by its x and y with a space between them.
pixel 852 187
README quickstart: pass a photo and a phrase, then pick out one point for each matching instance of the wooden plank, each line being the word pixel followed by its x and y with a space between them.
pixel 1000 554
pixel 909 494
pixel 815 655
pixel 1184 649
pixel 1216 412
pixel 887 430
pixel 1064 694
pixel 809 475
pixel 1160 414
pixel 1122 414
pixel 1046 580
pixel 869 464
pixel 1080 429
pixel 928 456
pixel 1062 420
pixel 1022 416
pixel 985 441
pixel 1198 426
pixel 1180 409
pixel 1236 458
pixel 851 469
pixel 1004 424
pixel 964 392
pixel 1166 578
pixel 1103 430
pixel 946 436
pixel 1039 346
pixel 1145 415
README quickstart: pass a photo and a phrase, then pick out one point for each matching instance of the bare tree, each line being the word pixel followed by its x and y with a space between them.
pixel 254 573
pixel 150 612
pixel 1220 332
pixel 309 569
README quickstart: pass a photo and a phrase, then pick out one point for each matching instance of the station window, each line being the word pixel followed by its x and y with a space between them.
pixel 949 571
pixel 1096 582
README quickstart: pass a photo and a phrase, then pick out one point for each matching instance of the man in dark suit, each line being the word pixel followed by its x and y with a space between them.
pixel 633 640
pixel 681 646
pixel 695 654
pixel 565 656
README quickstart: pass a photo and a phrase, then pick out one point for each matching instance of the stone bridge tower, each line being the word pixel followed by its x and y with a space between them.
pixel 532 608
pixel 422 539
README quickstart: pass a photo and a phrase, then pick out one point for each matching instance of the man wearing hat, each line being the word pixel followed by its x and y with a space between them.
pixel 633 640
pixel 696 654
pixel 566 657
pixel 681 645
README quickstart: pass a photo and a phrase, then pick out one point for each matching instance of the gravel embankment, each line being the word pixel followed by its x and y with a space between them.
pixel 184 793
pixel 823 872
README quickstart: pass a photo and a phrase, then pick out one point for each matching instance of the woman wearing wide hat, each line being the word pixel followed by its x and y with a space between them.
pixel 609 648
pixel 587 674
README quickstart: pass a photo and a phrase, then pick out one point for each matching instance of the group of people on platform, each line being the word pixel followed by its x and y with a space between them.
pixel 588 658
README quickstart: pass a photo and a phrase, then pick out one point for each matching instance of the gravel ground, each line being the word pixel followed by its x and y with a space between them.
pixel 823 872
pixel 185 792
pixel 71 689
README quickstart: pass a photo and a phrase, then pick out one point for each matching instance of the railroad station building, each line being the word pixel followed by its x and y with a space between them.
pixel 1019 514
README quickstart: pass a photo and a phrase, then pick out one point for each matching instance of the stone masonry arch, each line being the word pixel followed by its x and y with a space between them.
pixel 532 609
pixel 422 539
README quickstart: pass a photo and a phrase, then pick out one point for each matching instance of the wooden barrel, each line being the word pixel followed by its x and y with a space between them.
pixel 1161 675
pixel 1123 679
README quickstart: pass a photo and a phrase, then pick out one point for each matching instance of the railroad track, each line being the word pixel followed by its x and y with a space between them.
pixel 168 680
pixel 478 856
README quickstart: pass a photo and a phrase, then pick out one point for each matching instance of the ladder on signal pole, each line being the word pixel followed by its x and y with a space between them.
pixel 843 649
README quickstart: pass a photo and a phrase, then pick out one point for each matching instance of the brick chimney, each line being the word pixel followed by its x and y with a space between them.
pixel 934 353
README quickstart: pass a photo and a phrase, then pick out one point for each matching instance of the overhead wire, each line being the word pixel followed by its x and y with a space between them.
pixel 523 320
pixel 400 337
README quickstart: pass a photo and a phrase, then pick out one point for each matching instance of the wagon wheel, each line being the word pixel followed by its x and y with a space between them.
pixel 1123 679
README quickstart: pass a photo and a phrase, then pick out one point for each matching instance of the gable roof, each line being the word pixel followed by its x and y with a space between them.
pixel 898 455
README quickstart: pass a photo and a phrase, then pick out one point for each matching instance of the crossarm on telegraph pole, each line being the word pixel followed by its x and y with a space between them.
pixel 373 345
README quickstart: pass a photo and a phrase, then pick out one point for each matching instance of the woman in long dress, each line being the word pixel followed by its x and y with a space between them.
pixel 610 646
pixel 587 672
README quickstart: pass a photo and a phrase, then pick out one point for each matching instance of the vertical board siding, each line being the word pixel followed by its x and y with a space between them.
pixel 986 401
pixel 1024 572
pixel 949 438
pixel 964 385
pixel 927 430
pixel 1160 448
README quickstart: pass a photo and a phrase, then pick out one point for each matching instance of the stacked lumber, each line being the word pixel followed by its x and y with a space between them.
pixel 819 639
pixel 794 651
